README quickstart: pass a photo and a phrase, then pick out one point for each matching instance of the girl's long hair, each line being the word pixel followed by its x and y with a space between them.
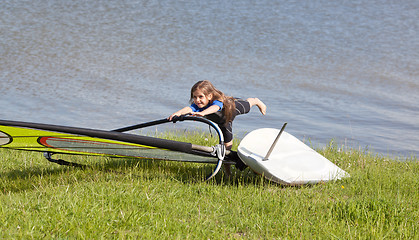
pixel 207 88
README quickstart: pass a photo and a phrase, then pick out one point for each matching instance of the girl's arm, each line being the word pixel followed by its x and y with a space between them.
pixel 182 111
pixel 209 110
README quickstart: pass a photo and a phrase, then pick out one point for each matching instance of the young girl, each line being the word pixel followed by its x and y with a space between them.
pixel 211 103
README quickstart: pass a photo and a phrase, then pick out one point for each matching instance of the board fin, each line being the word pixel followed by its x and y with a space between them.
pixel 274 143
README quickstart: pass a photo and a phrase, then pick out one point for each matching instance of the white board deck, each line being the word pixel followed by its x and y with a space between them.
pixel 291 162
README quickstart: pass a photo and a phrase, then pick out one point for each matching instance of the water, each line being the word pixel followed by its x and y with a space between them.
pixel 347 71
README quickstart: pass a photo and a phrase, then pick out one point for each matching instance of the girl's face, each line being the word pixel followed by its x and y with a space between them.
pixel 200 99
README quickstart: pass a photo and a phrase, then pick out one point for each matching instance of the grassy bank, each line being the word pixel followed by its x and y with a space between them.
pixel 129 198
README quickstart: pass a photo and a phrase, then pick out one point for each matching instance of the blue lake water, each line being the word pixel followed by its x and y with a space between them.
pixel 347 71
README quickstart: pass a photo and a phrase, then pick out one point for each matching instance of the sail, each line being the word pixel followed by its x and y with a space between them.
pixel 71 140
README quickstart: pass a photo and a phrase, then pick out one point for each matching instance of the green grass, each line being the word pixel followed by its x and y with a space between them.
pixel 149 199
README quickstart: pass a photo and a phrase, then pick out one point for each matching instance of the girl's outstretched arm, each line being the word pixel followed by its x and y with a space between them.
pixel 183 111
pixel 210 110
